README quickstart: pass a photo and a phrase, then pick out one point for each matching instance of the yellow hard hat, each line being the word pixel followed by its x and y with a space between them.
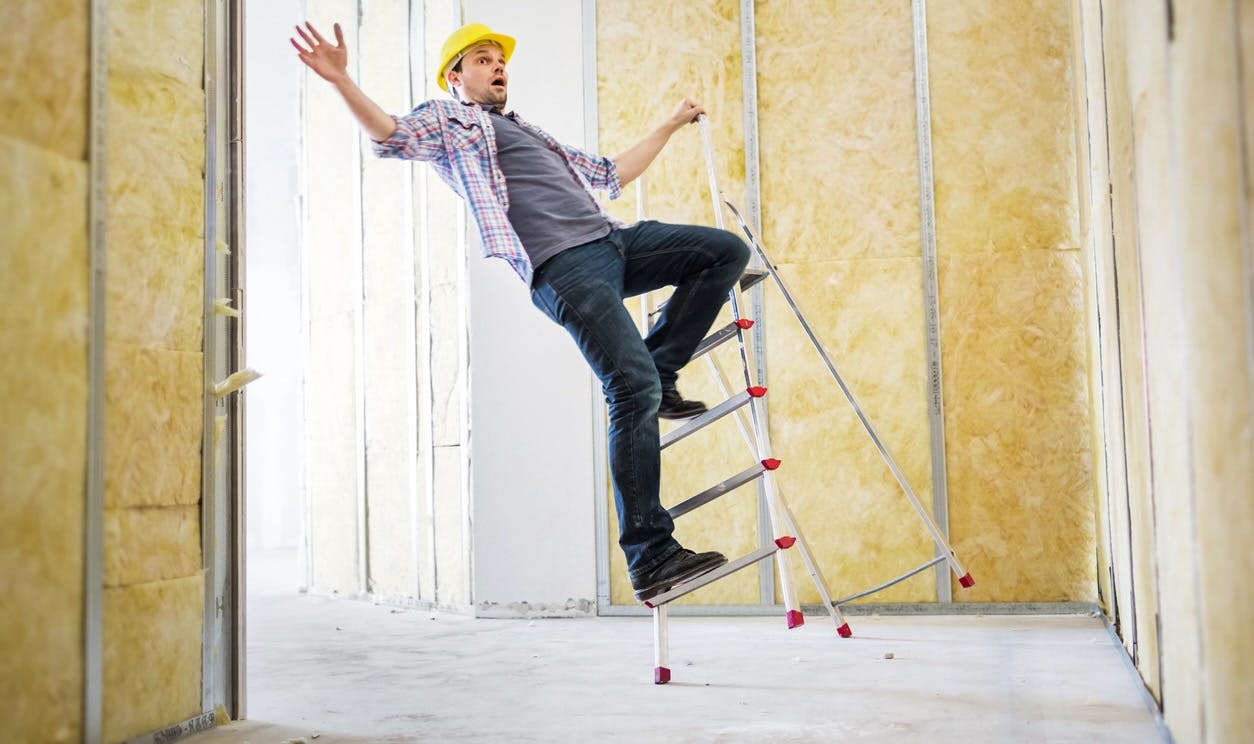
pixel 464 38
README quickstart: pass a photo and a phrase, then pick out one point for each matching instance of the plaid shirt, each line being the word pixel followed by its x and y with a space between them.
pixel 460 143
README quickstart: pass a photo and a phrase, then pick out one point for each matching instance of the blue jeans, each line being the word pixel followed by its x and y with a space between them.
pixel 582 289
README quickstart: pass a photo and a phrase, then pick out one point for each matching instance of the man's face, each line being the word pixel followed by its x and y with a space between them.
pixel 482 78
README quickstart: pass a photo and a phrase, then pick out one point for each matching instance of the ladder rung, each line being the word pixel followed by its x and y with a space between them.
pixel 723 334
pixel 713 492
pixel 751 277
pixel 712 415
pixel 747 280
pixel 726 569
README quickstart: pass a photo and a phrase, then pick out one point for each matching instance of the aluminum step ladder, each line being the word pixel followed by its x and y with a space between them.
pixel 784 529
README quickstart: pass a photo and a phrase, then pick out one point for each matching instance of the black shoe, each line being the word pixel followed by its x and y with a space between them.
pixel 674 406
pixel 677 569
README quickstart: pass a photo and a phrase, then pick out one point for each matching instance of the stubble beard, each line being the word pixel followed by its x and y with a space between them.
pixel 490 98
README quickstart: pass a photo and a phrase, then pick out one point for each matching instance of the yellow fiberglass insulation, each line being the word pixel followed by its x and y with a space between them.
pixel 154 366
pixel 1012 300
pixel 840 206
pixel 43 445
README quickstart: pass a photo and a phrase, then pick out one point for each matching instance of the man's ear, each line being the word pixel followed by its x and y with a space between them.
pixel 454 78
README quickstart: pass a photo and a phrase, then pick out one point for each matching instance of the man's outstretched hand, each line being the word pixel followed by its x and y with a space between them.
pixel 633 161
pixel 330 61
pixel 685 113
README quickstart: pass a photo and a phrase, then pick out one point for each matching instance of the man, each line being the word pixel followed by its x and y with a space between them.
pixel 532 200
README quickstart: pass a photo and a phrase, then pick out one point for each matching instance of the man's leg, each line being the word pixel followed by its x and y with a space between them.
pixel 702 263
pixel 581 289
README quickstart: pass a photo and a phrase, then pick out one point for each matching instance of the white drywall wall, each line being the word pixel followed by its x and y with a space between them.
pixel 531 392
pixel 274 418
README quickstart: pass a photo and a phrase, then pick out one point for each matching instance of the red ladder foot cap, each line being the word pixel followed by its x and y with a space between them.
pixel 785 542
pixel 744 323
pixel 966 581
pixel 844 631
pixel 757 391
pixel 770 463
pixel 661 675
pixel 795 619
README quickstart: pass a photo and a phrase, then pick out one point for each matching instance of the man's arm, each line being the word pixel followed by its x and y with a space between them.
pixel 330 62
pixel 633 162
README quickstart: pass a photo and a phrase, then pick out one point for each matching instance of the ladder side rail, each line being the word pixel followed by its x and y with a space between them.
pixel 740 340
pixel 792 527
pixel 716 198
pixel 781 519
pixel 766 528
pixel 793 607
pixel 646 311
pixel 941 542
pixel 757 448
pixel 816 574
pixel 707 145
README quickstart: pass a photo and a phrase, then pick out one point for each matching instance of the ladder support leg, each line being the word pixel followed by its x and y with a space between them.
pixel 661 654
pixel 807 557
pixel 793 614
pixel 758 449
pixel 779 522
pixel 942 545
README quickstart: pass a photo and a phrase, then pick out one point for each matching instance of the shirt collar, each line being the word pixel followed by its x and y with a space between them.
pixel 490 109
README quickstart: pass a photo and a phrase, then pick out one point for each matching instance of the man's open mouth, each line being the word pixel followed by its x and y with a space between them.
pixel 498 81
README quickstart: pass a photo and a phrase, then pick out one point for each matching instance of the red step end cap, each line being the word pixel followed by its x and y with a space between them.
pixel 785 542
pixel 661 675
pixel 966 581
pixel 770 463
pixel 844 631
pixel 648 604
pixel 757 391
pixel 744 324
pixel 795 619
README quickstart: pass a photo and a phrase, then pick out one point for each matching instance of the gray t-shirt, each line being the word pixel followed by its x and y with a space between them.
pixel 548 208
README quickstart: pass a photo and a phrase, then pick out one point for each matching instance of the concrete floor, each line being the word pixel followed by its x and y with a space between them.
pixel 335 671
